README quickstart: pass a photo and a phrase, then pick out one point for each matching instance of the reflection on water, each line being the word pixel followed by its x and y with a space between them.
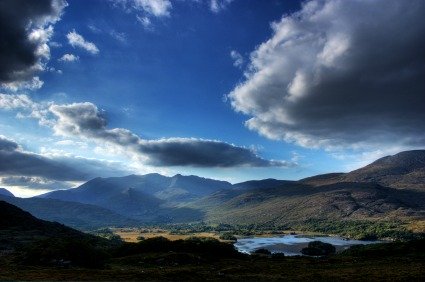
pixel 291 245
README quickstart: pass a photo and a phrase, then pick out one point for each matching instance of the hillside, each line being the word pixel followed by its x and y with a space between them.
pixel 76 215
pixel 295 203
pixel 405 170
pixel 18 227
pixel 5 192
pixel 148 198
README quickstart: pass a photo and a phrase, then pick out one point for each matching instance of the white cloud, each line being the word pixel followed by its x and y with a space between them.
pixel 145 21
pixel 237 58
pixel 219 5
pixel 340 74
pixel 157 8
pixel 69 58
pixel 146 10
pixel 32 109
pixel 94 28
pixel 120 36
pixel 77 40
pixel 9 102
pixel 33 84
pixel 40 37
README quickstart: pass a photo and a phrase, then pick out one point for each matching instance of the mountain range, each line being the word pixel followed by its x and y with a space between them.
pixel 392 187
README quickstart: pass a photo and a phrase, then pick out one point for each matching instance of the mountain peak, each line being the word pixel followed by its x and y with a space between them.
pixel 403 170
pixel 406 158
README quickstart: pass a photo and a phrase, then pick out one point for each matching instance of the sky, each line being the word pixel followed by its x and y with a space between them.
pixel 225 89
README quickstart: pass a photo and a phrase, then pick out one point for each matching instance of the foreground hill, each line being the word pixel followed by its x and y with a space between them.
pixel 76 215
pixel 5 192
pixel 18 227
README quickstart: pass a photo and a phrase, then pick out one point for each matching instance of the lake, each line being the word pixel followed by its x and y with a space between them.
pixel 291 245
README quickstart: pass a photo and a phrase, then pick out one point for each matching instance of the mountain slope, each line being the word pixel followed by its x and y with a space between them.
pixel 259 184
pixel 297 203
pixel 149 198
pixel 76 215
pixel 369 193
pixel 405 170
pixel 18 227
pixel 6 192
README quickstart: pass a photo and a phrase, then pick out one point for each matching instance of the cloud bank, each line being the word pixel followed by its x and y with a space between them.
pixel 49 171
pixel 340 74
pixel 15 162
pixel 85 120
pixel 26 27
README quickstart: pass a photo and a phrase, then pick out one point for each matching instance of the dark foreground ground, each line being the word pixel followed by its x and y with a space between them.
pixel 394 262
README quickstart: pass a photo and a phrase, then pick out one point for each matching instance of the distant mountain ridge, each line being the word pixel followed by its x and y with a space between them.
pixel 148 198
pixel 392 187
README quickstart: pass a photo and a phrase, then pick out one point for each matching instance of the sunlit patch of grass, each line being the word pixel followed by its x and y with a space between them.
pixel 417 226
pixel 133 234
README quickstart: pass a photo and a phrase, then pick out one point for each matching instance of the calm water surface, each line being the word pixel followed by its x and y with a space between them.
pixel 291 245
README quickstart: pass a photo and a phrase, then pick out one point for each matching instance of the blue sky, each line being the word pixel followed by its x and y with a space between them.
pixel 258 82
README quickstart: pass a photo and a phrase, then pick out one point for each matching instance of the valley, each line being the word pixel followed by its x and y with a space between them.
pixel 157 227
pixel 358 204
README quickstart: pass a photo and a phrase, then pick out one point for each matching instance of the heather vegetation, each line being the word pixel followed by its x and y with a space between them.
pixel 208 259
pixel 355 229
pixel 362 229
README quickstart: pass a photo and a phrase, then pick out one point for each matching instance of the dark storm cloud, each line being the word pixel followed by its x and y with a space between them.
pixel 34 182
pixel 340 73
pixel 85 120
pixel 202 153
pixel 16 162
pixel 40 170
pixel 7 145
pixel 20 54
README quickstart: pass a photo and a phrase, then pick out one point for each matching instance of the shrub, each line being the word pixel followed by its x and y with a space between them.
pixel 207 247
pixel 228 236
pixel 317 248
pixel 262 252
pixel 278 255
pixel 63 252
